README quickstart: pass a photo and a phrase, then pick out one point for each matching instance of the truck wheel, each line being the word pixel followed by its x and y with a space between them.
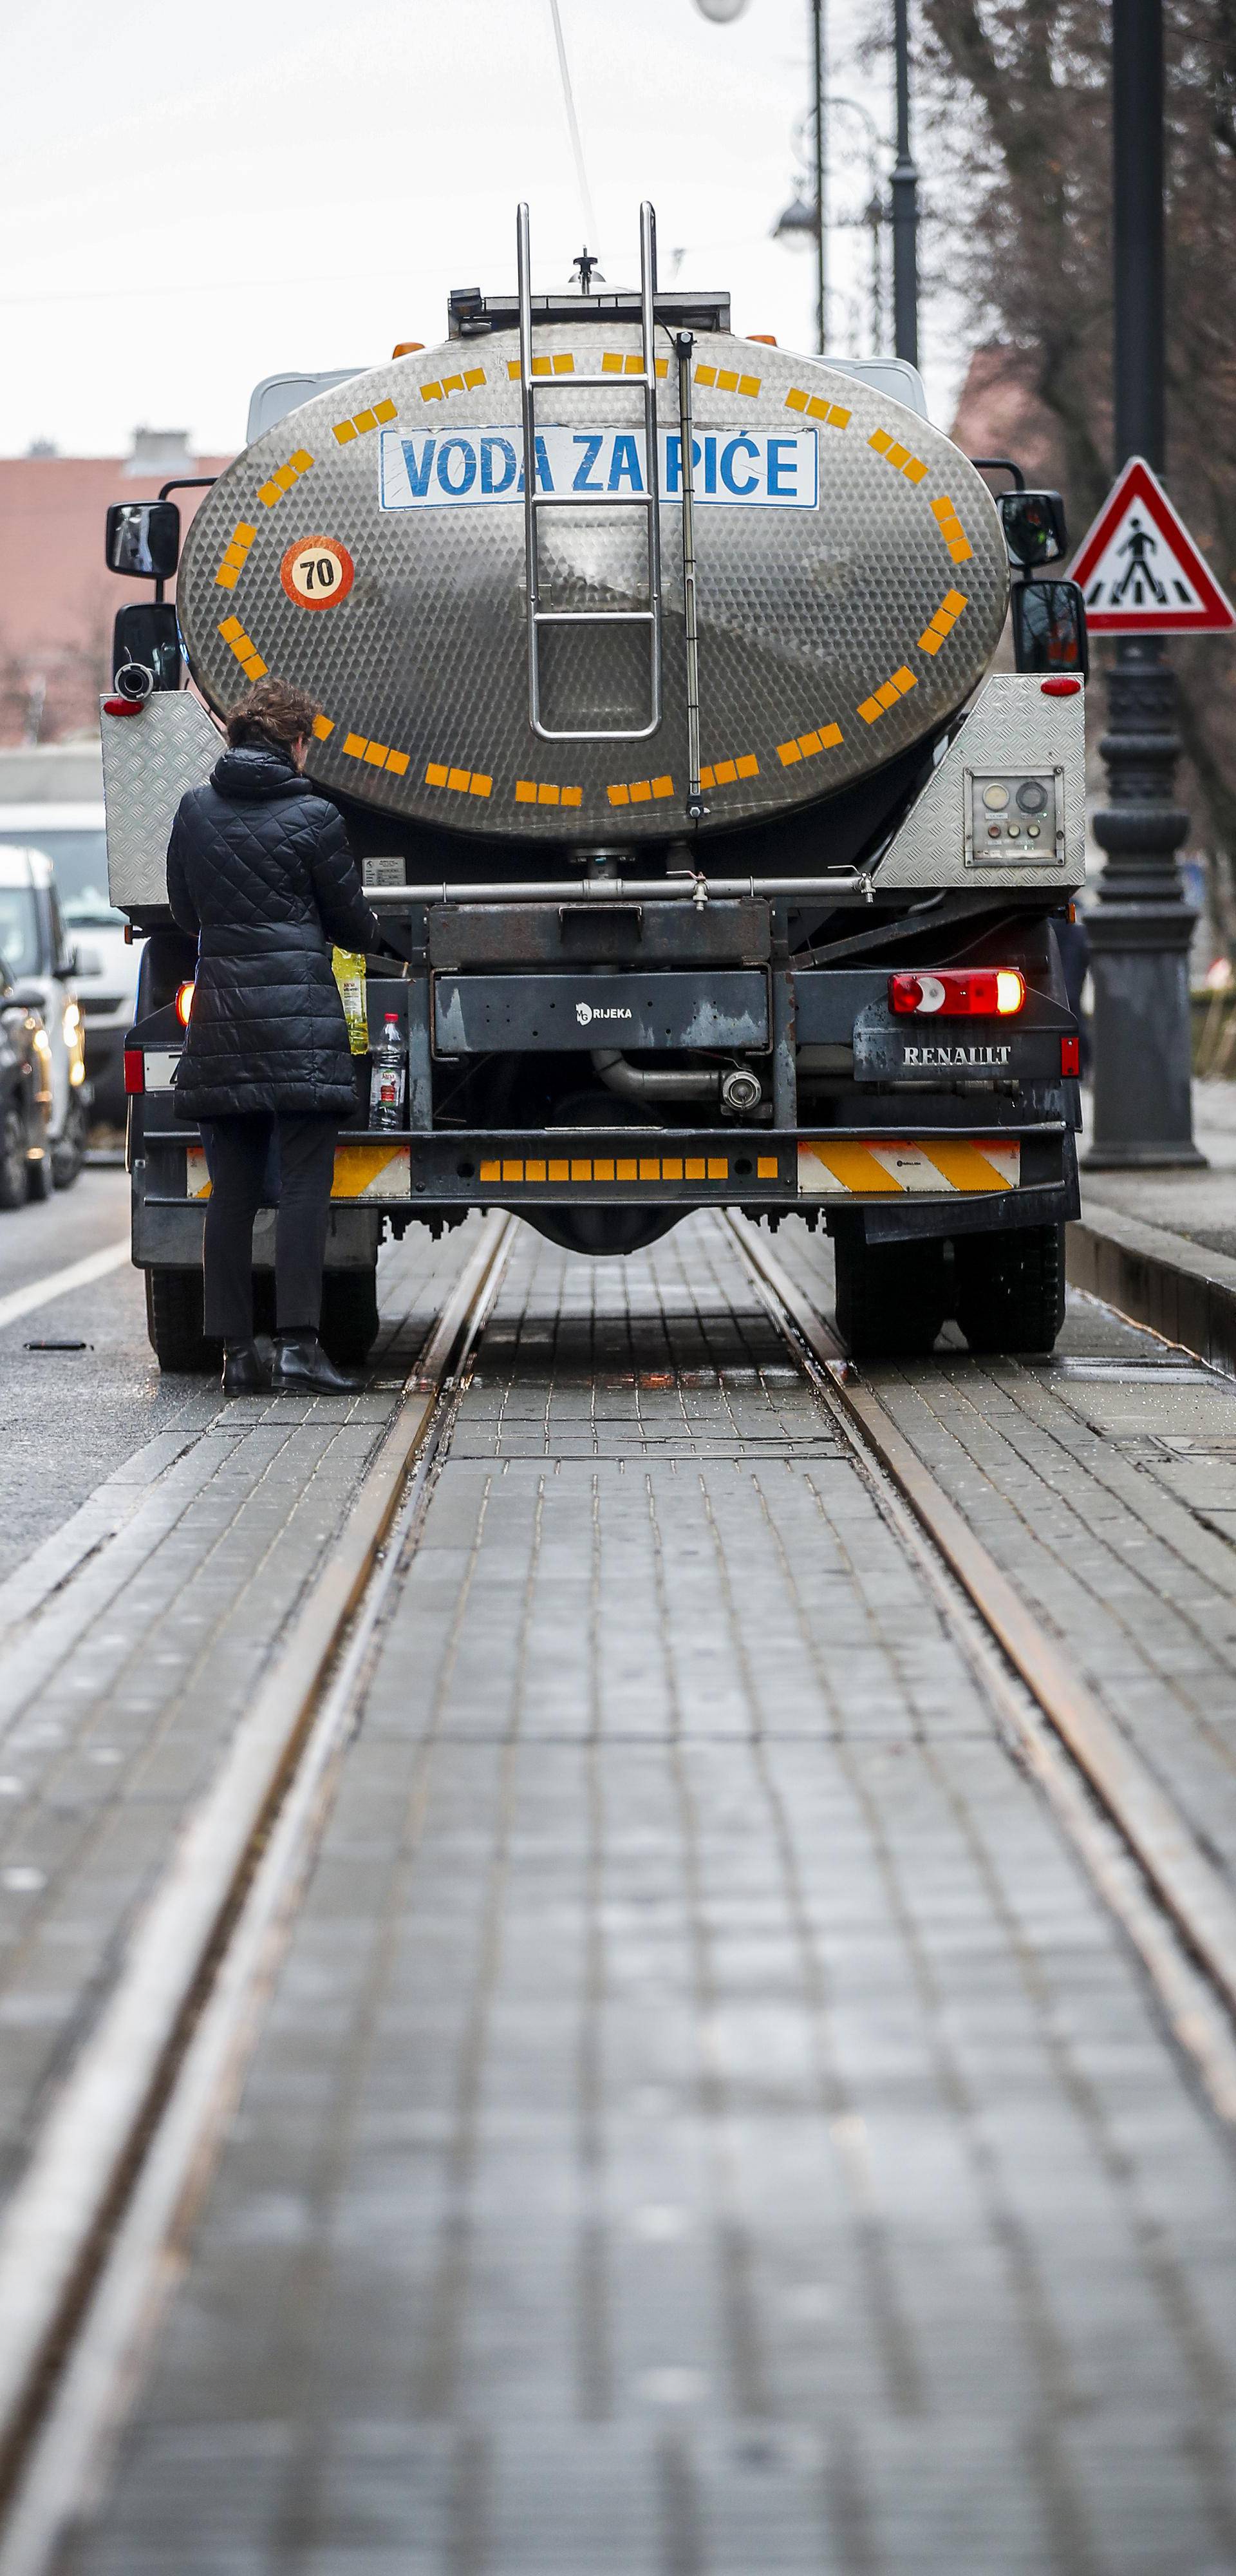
pixel 1010 1288
pixel 349 1326
pixel 174 1321
pixel 13 1164
pixel 891 1297
pixel 39 1179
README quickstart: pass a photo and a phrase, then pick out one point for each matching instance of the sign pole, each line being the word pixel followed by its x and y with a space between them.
pixel 1141 927
pixel 905 200
pixel 819 77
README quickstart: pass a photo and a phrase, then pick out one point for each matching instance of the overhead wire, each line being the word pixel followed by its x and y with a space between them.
pixel 568 96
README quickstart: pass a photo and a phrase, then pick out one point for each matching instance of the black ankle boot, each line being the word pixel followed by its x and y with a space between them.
pixel 245 1372
pixel 302 1367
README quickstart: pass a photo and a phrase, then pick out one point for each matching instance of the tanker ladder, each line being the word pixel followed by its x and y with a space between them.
pixel 648 500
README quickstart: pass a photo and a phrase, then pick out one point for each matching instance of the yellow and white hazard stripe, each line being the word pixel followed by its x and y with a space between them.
pixel 368 1171
pixel 879 1169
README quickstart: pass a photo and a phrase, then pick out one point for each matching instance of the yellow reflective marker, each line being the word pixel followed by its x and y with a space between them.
pixel 465 782
pixel 887 694
pixel 284 476
pixel 244 648
pixel 804 746
pixel 951 530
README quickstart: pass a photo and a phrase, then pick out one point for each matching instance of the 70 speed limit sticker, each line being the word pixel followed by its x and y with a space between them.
pixel 317 572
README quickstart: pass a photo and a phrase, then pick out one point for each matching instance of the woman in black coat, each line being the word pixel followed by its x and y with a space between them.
pixel 259 867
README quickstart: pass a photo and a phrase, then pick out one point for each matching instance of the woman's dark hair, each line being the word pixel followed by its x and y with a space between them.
pixel 272 712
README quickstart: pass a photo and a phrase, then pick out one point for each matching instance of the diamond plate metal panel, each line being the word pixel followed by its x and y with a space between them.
pixel 1010 727
pixel 830 639
pixel 149 761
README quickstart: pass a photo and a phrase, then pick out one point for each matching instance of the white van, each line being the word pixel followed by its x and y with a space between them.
pixel 73 838
pixel 36 947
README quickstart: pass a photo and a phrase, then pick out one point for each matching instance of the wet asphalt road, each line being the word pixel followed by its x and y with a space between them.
pixel 69 1418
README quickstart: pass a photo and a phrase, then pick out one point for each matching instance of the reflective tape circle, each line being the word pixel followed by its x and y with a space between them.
pixel 317 572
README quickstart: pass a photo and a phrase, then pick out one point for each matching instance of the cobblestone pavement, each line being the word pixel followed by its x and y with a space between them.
pixel 706 2123
pixel 1109 1496
pixel 133 1638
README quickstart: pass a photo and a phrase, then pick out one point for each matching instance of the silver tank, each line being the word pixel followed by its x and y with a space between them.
pixel 851 575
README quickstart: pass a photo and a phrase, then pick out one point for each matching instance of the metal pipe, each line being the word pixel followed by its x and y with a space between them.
pixel 527 409
pixel 686 437
pixel 652 463
pixel 853 886
pixel 905 201
pixel 634 1082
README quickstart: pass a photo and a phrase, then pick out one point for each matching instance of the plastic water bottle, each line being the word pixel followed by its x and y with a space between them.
pixel 388 1081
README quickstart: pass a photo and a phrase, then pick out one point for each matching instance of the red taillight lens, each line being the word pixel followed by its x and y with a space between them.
pixel 985 992
pixel 134 1071
pixel 1070 1055
pixel 184 1003
pixel 1060 688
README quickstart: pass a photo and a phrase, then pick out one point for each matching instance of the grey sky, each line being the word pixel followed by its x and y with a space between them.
pixel 182 214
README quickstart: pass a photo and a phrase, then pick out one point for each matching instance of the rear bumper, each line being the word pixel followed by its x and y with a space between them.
pixel 908 1180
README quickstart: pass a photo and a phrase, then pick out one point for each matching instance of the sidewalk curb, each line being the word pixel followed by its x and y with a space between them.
pixel 1157 1278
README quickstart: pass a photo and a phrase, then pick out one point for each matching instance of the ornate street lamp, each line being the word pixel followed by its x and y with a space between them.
pixel 802 218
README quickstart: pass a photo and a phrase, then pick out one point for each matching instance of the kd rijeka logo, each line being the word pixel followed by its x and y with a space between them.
pixel 586 1013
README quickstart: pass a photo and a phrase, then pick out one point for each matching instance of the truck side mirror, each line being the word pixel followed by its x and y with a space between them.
pixel 143 539
pixel 1034 527
pixel 1049 628
pixel 146 632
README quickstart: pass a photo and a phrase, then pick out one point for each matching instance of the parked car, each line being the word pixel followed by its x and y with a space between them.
pixel 38 954
pixel 25 1096
pixel 72 836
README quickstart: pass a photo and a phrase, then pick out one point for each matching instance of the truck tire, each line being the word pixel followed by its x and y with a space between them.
pixel 174 1322
pixel 1010 1288
pixel 891 1297
pixel 13 1164
pixel 349 1326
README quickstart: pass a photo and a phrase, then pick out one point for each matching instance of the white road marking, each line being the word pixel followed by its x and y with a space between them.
pixel 58 1283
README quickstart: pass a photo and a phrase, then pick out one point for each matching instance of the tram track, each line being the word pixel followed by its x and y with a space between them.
pixel 96 2233
pixel 83 2241
pixel 1170 1898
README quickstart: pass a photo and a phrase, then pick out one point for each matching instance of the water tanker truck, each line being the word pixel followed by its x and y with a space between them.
pixel 657 689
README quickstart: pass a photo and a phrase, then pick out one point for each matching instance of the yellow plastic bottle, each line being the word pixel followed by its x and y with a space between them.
pixel 349 968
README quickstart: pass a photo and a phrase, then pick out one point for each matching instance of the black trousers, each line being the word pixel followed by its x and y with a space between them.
pixel 238 1151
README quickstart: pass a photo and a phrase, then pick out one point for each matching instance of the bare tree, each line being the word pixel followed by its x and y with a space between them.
pixel 1019 96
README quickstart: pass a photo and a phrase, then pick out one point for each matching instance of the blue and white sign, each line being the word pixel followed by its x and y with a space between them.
pixel 436 469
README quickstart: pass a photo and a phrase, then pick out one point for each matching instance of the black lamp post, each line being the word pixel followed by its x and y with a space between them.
pixel 1141 927
pixel 905 201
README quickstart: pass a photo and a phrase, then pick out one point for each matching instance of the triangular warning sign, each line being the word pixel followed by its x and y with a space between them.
pixel 1139 570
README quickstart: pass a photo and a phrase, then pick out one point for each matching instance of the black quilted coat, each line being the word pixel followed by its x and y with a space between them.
pixel 259 867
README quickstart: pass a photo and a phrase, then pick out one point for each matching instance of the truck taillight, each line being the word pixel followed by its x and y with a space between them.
pixel 1070 1055
pixel 184 1003
pixel 985 992
pixel 134 1071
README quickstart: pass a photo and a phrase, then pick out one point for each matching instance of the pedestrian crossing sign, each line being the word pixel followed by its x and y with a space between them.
pixel 1138 569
